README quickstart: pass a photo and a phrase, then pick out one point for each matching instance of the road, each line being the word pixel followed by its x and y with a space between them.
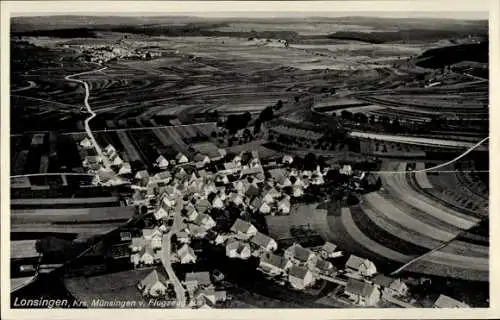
pixel 30 85
pixel 166 255
pixel 92 113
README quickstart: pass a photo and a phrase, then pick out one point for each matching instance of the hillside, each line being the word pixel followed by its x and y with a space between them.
pixel 440 57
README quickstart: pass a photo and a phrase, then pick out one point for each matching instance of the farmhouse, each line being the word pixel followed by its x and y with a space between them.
pixel 183 237
pixel 217 202
pixel 186 254
pixel 154 235
pixel 299 254
pixel 205 221
pixel 390 286
pixel 162 212
pixel 284 206
pixel 142 176
pixel 195 280
pixel 109 150
pixel 444 301
pixel 300 277
pixel 161 162
pixel 238 249
pixel 326 267
pixel 328 251
pixel 86 143
pixel 243 229
pixel 181 158
pixel 190 212
pixel 264 242
pixel 236 198
pixel 265 208
pixel 346 170
pixel 360 266
pixel 201 160
pixel 145 256
pixel 273 264
pixel 211 295
pixel 137 244
pixel 287 159
pixel 362 293
pixel 125 169
pixel 154 285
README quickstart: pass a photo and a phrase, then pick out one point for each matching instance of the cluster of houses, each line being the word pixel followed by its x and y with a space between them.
pixel 201 291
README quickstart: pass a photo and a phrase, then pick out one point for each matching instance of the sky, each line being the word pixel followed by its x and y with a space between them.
pixel 460 9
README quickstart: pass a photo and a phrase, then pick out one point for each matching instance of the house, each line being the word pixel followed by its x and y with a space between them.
pixel 346 170
pixel 181 158
pixel 298 192
pixel 284 182
pixel 154 235
pixel 268 198
pixel 211 295
pixel 361 266
pixel 299 254
pixel 362 293
pixel 86 143
pixel 273 264
pixel 186 254
pixel 202 205
pixel 221 239
pixel 137 244
pixel 125 169
pixel 190 212
pixel 328 251
pixel 264 242
pixel 284 206
pixel 109 150
pixel 197 231
pixel 300 277
pixel 252 191
pixel 201 160
pixel 222 153
pixel 168 201
pixel 273 193
pixel 142 175
pixel 238 249
pixel 196 280
pixel 161 162
pixel 162 212
pixel 154 285
pixel 444 301
pixel 390 286
pixel 287 159
pixel 217 202
pixel 183 237
pixel 145 256
pixel 265 208
pixel 205 221
pixel 115 160
pixel 243 229
pixel 236 198
pixel 325 267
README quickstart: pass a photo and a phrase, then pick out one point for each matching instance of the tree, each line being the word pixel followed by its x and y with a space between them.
pixel 266 114
pixel 256 128
pixel 310 161
pixel 347 115
pixel 279 104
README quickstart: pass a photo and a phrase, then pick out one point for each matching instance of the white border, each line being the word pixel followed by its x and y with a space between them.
pixel 128 8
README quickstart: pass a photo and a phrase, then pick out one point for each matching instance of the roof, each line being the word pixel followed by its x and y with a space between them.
pixel 149 232
pixel 354 262
pixel 300 253
pixel 202 216
pixel 202 278
pixel 359 288
pixel 252 191
pixel 444 301
pixel 298 272
pixel 142 174
pixel 277 173
pixel 241 226
pixel 153 278
pixel 324 265
pixel 202 205
pixel 261 239
pixel 383 280
pixel 186 250
pixel 138 242
pixel 273 260
pixel 329 247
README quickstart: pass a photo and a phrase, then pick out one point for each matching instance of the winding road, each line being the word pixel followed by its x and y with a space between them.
pixel 92 113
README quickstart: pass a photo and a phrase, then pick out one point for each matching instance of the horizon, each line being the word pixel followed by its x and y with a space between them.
pixel 449 15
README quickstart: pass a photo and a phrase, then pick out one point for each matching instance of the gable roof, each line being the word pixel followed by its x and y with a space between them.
pixel 201 217
pixel 261 239
pixel 354 262
pixel 152 278
pixel 273 260
pixel 300 253
pixel 202 278
pixel 329 247
pixel 298 272
pixel 359 288
pixel 186 250
pixel 241 226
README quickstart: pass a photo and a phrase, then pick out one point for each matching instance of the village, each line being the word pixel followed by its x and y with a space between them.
pixel 185 201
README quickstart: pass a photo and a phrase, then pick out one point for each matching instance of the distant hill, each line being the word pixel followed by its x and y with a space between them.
pixel 445 56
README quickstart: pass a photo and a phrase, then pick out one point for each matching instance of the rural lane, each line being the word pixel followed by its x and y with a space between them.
pixel 166 255
pixel 89 109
